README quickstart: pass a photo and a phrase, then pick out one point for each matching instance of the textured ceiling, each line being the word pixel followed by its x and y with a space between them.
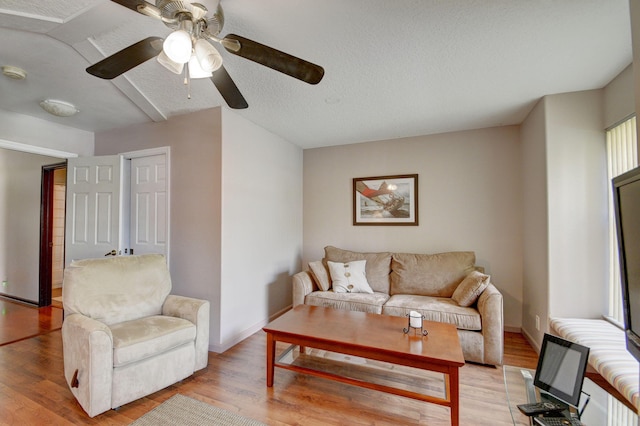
pixel 392 69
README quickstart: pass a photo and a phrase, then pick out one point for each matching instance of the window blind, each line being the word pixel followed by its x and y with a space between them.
pixel 622 155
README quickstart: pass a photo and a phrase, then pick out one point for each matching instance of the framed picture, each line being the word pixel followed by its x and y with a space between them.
pixel 385 200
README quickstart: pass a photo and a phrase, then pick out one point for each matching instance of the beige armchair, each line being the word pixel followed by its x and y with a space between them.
pixel 124 336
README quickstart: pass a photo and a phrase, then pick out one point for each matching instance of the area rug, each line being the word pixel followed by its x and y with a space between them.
pixel 182 410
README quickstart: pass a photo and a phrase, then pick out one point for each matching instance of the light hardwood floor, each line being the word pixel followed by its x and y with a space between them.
pixel 33 391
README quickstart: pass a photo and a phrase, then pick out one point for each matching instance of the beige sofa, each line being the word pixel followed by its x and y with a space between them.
pixel 443 287
pixel 124 336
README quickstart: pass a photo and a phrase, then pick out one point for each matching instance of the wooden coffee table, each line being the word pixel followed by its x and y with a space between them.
pixel 371 336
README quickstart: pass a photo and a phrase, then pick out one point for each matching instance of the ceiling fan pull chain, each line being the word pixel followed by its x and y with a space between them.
pixel 187 80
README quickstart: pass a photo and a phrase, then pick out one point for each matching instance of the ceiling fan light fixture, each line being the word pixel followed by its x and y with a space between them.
pixel 177 46
pixel 196 71
pixel 166 62
pixel 208 57
pixel 59 108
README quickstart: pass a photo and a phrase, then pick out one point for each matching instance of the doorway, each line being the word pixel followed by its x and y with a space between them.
pixel 52 220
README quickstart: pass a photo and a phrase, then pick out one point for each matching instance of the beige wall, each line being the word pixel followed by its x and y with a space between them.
pixel 236 214
pixel 262 226
pixel 470 198
pixel 618 98
pixel 535 290
pixel 195 142
pixel 577 203
pixel 20 182
pixel 565 207
pixel 29 131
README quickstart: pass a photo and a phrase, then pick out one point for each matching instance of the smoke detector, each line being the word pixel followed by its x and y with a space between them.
pixel 14 72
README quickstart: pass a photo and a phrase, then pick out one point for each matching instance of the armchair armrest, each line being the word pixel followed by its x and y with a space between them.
pixel 87 345
pixel 196 311
pixel 303 284
pixel 490 306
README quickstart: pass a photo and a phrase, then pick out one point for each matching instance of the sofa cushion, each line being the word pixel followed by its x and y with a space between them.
pixel 349 277
pixel 361 302
pixel 470 288
pixel 436 275
pixel 439 309
pixel 378 265
pixel 320 275
pixel 149 336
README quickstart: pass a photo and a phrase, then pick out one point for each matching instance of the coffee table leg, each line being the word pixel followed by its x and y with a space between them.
pixel 454 395
pixel 271 357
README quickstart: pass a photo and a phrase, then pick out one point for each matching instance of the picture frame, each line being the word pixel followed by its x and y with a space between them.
pixel 386 200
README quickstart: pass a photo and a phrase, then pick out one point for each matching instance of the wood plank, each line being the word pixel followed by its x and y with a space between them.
pixel 31 377
pixel 21 321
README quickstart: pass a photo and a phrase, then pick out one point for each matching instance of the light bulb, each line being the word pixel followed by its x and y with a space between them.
pixel 178 46
pixel 208 57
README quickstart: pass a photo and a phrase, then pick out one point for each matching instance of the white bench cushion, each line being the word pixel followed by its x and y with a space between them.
pixel 608 353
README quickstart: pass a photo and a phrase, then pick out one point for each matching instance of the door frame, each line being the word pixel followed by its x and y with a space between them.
pixel 46 232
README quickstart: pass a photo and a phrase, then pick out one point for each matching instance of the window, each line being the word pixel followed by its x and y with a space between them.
pixel 622 155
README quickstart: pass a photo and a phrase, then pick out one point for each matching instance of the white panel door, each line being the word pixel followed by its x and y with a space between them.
pixel 93 207
pixel 149 205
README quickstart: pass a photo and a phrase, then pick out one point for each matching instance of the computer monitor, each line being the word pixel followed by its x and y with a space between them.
pixel 561 368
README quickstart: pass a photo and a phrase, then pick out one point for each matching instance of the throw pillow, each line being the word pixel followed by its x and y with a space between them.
pixel 470 288
pixel 378 265
pixel 320 274
pixel 349 277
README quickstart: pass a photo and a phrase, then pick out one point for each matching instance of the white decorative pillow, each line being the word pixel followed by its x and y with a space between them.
pixel 320 274
pixel 349 277
pixel 470 288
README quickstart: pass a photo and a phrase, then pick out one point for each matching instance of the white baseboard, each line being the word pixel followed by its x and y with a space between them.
pixel 239 337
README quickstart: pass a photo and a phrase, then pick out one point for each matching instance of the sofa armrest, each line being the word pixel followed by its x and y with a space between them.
pixel 490 306
pixel 87 347
pixel 303 284
pixel 196 311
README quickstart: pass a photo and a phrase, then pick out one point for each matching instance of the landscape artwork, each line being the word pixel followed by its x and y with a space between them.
pixel 385 200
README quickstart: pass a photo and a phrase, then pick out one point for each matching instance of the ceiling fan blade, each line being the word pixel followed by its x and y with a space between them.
pixel 131 4
pixel 275 59
pixel 127 58
pixel 228 89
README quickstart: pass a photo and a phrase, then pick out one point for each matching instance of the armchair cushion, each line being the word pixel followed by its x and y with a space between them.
pixel 146 337
pixel 116 289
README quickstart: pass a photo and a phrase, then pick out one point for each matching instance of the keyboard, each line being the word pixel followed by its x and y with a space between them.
pixel 557 421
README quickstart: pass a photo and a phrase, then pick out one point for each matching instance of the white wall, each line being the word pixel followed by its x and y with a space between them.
pixel 261 226
pixel 470 198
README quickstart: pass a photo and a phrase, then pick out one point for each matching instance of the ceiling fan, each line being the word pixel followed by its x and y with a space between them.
pixel 189 49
